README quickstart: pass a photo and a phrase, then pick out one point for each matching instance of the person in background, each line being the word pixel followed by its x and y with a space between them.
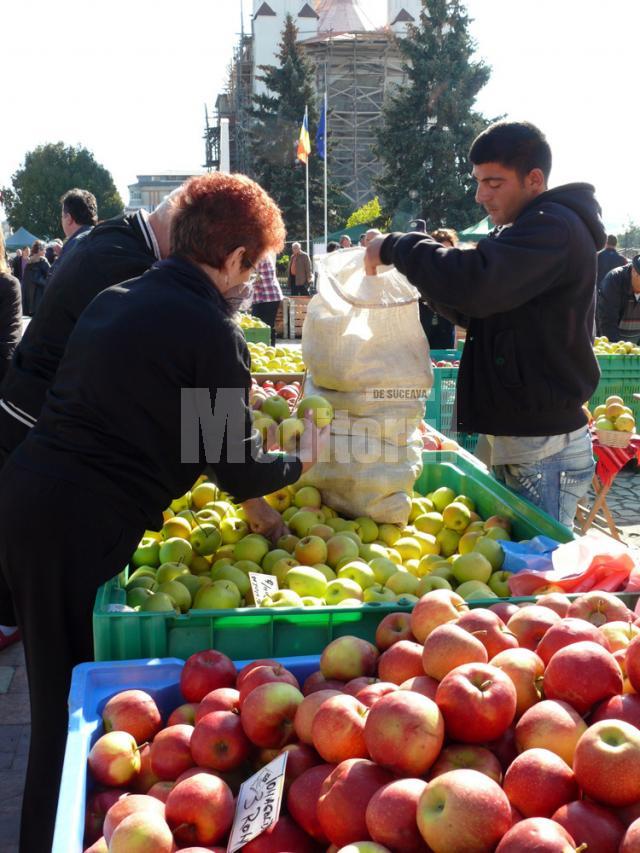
pixel 609 259
pixel 300 273
pixel 332 246
pixel 619 303
pixel 519 292
pixel 136 414
pixel 362 241
pixel 10 315
pixel 440 332
pixel 267 295
pixel 78 216
pixel 19 262
pixel 34 279
pixel 345 242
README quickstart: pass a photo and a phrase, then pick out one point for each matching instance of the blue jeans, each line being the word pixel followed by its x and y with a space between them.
pixel 555 484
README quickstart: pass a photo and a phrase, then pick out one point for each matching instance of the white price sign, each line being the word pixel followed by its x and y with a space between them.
pixel 262 586
pixel 258 803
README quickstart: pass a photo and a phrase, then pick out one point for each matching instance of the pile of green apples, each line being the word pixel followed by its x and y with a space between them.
pixel 204 553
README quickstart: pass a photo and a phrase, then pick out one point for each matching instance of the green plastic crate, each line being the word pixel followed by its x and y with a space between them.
pixel 439 412
pixel 445 355
pixel 258 336
pixel 257 633
pixel 620 366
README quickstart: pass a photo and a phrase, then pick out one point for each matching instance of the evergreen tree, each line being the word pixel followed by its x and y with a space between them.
pixel 630 238
pixel 430 123
pixel 277 118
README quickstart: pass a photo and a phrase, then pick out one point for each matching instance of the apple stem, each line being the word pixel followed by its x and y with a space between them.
pixel 582 847
pixel 485 684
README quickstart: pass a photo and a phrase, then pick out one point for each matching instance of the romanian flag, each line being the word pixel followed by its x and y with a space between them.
pixel 304 143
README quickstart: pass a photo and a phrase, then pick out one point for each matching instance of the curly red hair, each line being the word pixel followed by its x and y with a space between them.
pixel 217 213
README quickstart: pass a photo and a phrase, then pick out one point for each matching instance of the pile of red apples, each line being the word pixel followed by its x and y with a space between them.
pixel 509 729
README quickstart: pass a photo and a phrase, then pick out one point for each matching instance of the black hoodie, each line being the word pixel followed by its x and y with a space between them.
pixel 528 292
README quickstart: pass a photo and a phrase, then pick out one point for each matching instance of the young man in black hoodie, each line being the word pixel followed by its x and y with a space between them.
pixel 527 297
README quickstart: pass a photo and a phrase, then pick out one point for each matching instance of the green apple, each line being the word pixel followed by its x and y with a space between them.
pixel 320 408
pixel 373 551
pixel 199 565
pixel 282 567
pixel 497 533
pixel 377 592
pixel 499 583
pixel 302 522
pixel 442 497
pixel 463 499
pixel 328 572
pixel 176 527
pixel 247 566
pixel 170 571
pixel 232 530
pixel 142 572
pixel 142 582
pixel 448 541
pixel 472 567
pixel 222 507
pixel 253 547
pixel 308 497
pixel 402 583
pixel 217 595
pixel 395 556
pixel 223 561
pixel 474 590
pixel 338 524
pixel 205 539
pixel 389 534
pixel 408 548
pixel 419 506
pixel 311 601
pixel 136 597
pixel 429 582
pixel 427 542
pixel 350 602
pixel 366 529
pixel 234 574
pixel 282 598
pixel 279 500
pixel 269 560
pixel 288 542
pixel 430 522
pixel 275 407
pixel 147 553
pixel 178 593
pixel 341 547
pixel 492 550
pixel 310 550
pixel 176 550
pixel 189 515
pixel 267 427
pixel 289 432
pixel 203 494
pixel 192 583
pixel 382 569
pixel 444 570
pixel 288 514
pixel 456 517
pixel 468 540
pixel 351 534
pixel 340 589
pixel 358 571
pixel 183 502
pixel 158 602
pixel 208 516
pixel 322 530
pixel 306 580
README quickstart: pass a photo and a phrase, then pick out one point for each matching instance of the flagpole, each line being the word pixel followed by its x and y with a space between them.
pixel 326 157
pixel 306 115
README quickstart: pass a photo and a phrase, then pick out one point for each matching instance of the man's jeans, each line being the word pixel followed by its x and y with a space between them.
pixel 555 484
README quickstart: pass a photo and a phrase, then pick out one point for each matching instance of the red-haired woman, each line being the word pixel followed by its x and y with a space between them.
pixel 152 391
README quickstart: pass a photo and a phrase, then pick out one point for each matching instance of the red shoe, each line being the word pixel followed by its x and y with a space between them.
pixel 7 640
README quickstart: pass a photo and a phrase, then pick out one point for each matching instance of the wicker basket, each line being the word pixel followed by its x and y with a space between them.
pixel 614 437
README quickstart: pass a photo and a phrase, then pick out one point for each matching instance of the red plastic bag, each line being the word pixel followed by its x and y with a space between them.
pixel 589 562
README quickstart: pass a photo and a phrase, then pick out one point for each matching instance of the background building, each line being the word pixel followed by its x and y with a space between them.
pixel 357 58
pixel 150 190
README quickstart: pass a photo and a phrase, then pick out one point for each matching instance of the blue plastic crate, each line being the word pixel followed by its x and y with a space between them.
pixel 92 685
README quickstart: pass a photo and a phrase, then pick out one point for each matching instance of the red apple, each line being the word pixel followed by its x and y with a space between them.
pixel 619 635
pixel 591 824
pixel 504 748
pixel 248 667
pixel 266 675
pixel 268 712
pixel 98 846
pixel 403 660
pixel 582 674
pixel 338 729
pixel 132 711
pixel 556 601
pixel 599 607
pixel 354 686
pixel 316 681
pixel 525 669
pixel 114 759
pixel 393 627
pixel 531 623
pixel 435 608
pixel 538 782
pixel 171 753
pixel 370 695
pixel 300 758
pixel 200 810
pixel 567 632
pixel 537 834
pixel 97 807
pixel 404 732
pixel 625 707
pixel 146 777
pixel 551 725
pixel 306 712
pixel 477 701
pixel 462 756
pixel 219 742
pixel 632 660
pixel 497 521
pixel 142 832
pixel 284 834
pixel 204 672
pixel 348 657
pixel 391 815
pixel 303 797
pixel 344 797
pixel 448 647
pixel 607 763
pixel 183 714
pixel 463 811
pixel 421 684
pixel 631 840
pixel 126 806
pixel 222 699
pixel 488 627
pixel 504 609
pixel 161 790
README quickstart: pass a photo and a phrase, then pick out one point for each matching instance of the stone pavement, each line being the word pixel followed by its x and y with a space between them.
pixel 623 500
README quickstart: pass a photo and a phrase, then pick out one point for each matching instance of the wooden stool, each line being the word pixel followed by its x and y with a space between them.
pixel 599 516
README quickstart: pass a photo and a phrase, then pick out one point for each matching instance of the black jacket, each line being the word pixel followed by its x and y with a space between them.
pixel 114 251
pixel 123 417
pixel 615 290
pixel 608 259
pixel 528 364
pixel 10 319
pixel 34 282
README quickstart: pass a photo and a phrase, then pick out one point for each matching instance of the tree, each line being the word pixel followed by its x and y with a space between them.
pixel 276 120
pixel 429 125
pixel 369 214
pixel 630 238
pixel 48 172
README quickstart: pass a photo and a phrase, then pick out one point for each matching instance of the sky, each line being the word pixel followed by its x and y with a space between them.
pixel 131 85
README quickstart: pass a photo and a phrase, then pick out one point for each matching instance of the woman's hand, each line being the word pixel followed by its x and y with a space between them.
pixel 314 443
pixel 265 520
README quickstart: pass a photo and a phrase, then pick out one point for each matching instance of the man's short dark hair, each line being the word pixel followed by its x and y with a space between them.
pixel 81 205
pixel 612 240
pixel 517 145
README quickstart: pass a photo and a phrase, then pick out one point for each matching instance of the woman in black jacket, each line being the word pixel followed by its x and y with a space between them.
pixel 35 277
pixel 10 312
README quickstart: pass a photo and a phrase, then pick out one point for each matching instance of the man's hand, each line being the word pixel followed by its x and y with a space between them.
pixel 372 255
pixel 264 519
pixel 314 443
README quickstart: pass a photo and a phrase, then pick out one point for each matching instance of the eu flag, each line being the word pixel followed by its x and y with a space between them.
pixel 321 141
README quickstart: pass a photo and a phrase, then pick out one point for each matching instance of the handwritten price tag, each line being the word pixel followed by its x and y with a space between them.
pixel 262 586
pixel 258 804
